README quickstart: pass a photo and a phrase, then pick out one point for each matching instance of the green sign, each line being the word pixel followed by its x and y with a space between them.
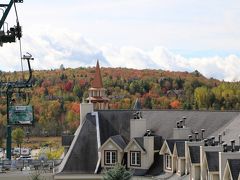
pixel 21 115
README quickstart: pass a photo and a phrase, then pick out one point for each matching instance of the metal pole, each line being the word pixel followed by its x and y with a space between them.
pixel 5 14
pixel 9 142
pixel 9 128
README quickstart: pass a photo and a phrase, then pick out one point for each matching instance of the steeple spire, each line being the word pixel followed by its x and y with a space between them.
pixel 97 81
pixel 97 94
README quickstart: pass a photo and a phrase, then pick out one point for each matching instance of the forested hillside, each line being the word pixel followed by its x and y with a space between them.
pixel 57 93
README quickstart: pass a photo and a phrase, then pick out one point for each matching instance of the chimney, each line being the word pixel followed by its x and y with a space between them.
pixel 202 130
pixel 85 108
pixel 178 124
pixel 224 147
pixel 232 145
pixel 213 141
pixel 149 132
pixel 184 121
pixel 239 142
pixel 181 123
pixel 190 138
pixel 181 132
pixel 220 139
pixel 205 142
pixel 196 136
pixel 138 127
pixel 148 144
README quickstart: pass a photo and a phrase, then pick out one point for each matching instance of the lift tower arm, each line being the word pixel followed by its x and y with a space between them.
pixel 16 31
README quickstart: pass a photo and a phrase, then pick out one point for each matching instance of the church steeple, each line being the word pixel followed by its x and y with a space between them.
pixel 97 81
pixel 97 91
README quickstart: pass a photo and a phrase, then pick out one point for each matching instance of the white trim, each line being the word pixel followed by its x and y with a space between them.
pixel 161 152
pixel 111 154
pixel 227 170
pixel 168 161
pixel 134 155
pixel 134 141
pixel 66 157
pixel 110 140
pixel 98 140
pixel 76 134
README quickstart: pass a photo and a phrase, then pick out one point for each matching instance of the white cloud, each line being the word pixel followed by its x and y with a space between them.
pixel 222 68
pixel 53 49
pixel 189 25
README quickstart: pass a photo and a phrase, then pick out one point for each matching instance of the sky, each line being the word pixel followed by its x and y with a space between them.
pixel 173 35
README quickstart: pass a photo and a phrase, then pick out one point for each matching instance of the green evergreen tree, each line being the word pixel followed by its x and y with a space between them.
pixel 118 172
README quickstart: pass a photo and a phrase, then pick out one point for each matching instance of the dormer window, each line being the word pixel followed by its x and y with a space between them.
pixel 168 161
pixel 135 158
pixel 110 157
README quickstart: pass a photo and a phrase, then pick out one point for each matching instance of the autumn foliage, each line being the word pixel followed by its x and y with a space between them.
pixel 175 104
pixel 56 94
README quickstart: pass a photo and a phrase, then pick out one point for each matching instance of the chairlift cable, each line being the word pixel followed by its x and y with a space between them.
pixel 20 51
pixel 16 12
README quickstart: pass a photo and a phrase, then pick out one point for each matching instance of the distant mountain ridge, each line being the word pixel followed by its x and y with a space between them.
pixel 56 94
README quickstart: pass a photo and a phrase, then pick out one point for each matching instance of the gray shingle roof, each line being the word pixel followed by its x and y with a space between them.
pixel 139 141
pixel 157 166
pixel 117 122
pixel 194 153
pixel 119 141
pixel 162 122
pixel 234 165
pixel 213 160
pixel 81 160
pixel 157 142
pixel 113 123
pixel 171 143
pixel 180 148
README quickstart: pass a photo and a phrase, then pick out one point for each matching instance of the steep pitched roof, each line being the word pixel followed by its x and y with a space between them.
pixel 163 121
pixel 78 161
pixel 119 141
pixel 171 143
pixel 157 166
pixel 213 160
pixel 234 165
pixel 157 142
pixel 117 122
pixel 180 145
pixel 194 154
pixel 97 81
pixel 139 141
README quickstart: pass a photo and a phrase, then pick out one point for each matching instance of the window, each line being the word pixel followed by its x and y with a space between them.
pixel 135 158
pixel 110 157
pixel 168 161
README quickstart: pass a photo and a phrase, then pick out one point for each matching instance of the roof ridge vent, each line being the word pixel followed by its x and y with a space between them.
pixel 233 145
pixel 184 121
pixel 202 133
pixel 224 147
pixel 196 136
